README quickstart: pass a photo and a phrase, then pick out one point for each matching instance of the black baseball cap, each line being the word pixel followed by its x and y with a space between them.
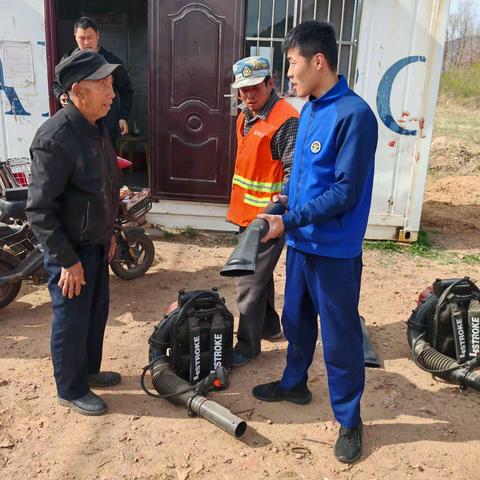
pixel 83 65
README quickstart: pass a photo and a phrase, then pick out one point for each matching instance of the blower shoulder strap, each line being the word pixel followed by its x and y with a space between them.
pixel 195 349
pixel 459 332
pixel 217 341
pixel 473 315
pixel 449 303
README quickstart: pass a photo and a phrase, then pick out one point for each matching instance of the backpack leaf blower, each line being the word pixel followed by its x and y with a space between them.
pixel 444 331
pixel 189 355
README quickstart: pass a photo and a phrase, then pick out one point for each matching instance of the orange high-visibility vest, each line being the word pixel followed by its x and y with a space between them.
pixel 257 175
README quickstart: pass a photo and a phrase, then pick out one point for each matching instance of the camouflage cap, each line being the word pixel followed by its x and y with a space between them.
pixel 250 71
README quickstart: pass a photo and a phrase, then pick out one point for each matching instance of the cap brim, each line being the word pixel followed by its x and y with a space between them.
pixel 103 72
pixel 248 82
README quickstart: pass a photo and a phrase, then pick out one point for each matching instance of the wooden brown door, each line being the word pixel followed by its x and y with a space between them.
pixel 193 45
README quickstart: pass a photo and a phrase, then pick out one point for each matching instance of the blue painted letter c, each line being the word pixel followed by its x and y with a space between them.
pixel 385 92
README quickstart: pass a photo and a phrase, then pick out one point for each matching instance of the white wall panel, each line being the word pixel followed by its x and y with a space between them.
pixel 23 75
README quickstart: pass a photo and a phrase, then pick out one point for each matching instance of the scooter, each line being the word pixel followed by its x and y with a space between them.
pixel 135 251
pixel 21 256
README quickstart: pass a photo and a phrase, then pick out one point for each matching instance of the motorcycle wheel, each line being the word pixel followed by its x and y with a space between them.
pixel 9 291
pixel 128 266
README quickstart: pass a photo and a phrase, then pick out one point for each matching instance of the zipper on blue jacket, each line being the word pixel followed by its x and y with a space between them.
pixel 312 115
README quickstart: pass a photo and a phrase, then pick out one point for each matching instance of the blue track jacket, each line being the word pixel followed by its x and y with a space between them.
pixel 330 187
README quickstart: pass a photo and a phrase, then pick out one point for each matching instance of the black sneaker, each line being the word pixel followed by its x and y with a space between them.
pixel 348 447
pixel 271 392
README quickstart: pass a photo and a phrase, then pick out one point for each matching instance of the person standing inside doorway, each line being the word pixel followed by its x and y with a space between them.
pixel 329 196
pixel 266 131
pixel 87 36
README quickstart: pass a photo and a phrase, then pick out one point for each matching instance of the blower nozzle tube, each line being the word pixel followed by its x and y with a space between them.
pixel 243 260
pixel 180 392
pixel 369 354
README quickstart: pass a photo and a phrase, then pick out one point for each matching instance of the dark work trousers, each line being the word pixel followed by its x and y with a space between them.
pixel 78 324
pixel 329 287
pixel 256 301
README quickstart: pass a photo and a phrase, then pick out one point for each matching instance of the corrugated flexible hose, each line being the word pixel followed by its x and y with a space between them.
pixel 440 365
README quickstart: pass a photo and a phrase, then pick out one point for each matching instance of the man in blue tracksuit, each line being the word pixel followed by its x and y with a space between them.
pixel 329 197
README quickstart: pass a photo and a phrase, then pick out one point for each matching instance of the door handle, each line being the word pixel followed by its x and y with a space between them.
pixel 233 102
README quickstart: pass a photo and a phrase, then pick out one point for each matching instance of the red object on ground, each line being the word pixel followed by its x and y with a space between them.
pixel 171 307
pixel 123 163
pixel 423 295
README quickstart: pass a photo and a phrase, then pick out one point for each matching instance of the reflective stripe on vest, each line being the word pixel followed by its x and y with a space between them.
pixel 260 202
pixel 267 187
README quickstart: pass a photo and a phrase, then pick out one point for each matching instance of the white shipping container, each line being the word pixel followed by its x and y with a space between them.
pixel 399 51
pixel 399 62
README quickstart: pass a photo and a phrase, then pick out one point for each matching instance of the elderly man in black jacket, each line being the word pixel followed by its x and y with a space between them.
pixel 72 205
pixel 87 36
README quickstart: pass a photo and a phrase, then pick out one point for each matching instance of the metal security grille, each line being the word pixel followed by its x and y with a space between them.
pixel 268 21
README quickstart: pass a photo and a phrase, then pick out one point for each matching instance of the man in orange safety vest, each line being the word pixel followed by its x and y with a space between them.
pixel 266 131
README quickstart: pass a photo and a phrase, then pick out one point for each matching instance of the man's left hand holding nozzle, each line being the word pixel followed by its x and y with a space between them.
pixel 276 227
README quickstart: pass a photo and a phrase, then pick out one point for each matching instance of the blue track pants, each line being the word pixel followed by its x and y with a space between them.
pixel 330 288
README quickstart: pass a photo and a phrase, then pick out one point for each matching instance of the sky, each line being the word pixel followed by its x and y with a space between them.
pixel 454 5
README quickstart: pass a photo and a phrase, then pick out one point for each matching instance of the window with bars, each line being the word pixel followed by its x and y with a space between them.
pixel 268 21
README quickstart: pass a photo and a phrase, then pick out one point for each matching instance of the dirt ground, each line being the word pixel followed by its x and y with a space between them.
pixel 415 426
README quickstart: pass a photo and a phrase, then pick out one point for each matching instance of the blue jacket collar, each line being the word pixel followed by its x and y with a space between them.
pixel 337 91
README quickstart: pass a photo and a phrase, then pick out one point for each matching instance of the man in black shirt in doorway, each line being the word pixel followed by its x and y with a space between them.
pixel 87 36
